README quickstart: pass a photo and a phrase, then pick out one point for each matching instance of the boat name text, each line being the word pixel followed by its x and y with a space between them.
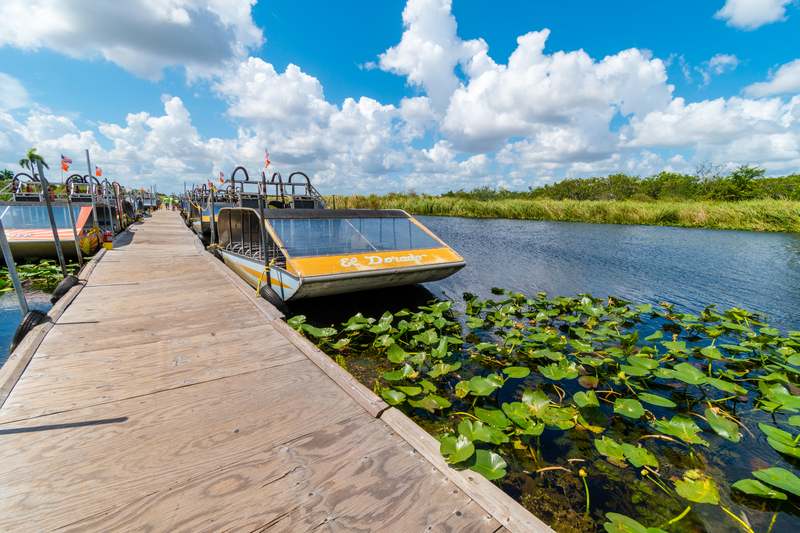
pixel 378 260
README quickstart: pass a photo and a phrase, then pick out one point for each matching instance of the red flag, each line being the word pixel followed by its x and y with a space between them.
pixel 266 158
pixel 98 171
pixel 64 166
pixel 221 176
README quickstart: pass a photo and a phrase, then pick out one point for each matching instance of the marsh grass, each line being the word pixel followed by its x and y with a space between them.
pixel 750 215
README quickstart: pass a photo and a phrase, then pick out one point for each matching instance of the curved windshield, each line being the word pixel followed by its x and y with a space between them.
pixel 308 238
pixel 35 216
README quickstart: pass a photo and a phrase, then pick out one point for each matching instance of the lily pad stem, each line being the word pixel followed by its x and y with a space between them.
pixel 467 414
pixel 586 486
pixel 737 519
pixel 680 516
pixel 772 523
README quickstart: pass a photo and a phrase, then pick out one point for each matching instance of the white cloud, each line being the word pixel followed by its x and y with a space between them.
pixel 142 36
pixel 785 80
pixel 12 94
pixel 717 65
pixel 752 14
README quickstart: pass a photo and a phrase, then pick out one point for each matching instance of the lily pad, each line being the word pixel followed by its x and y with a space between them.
pixel 687 373
pixel 586 399
pixel 400 374
pixel 781 478
pixel 756 488
pixel 488 464
pixel 441 369
pixel 456 449
pixel 654 399
pixel 493 417
pixel 697 487
pixel 611 449
pixel 682 427
pixel 319 332
pixel 516 371
pixel 630 408
pixel 535 402
pixel 624 524
pixel 411 391
pixel 396 354
pixel 480 386
pixel 518 414
pixel 639 457
pixel 725 428
pixel 474 430
pixel 393 397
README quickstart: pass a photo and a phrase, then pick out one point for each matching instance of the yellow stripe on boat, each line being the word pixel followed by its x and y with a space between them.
pixel 255 274
pixel 365 262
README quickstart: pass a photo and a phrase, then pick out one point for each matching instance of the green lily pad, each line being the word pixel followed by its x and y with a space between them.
pixel 710 352
pixel 396 354
pixel 777 434
pixel 516 371
pixel 725 428
pixel 643 362
pixel 654 399
pixel 588 382
pixel 686 373
pixel 488 464
pixel 794 451
pixel 456 449
pixel 480 386
pixel 632 370
pixel 756 488
pixel 682 427
pixel 624 524
pixel 630 408
pixel 611 449
pixel 517 413
pixel 586 399
pixel 474 430
pixel 319 332
pixel 398 375
pixel 411 391
pixel 639 457
pixel 441 369
pixel 697 487
pixel 429 336
pixel 553 372
pixel 535 402
pixel 492 417
pixel 726 386
pixel 430 403
pixel 781 478
pixel 393 397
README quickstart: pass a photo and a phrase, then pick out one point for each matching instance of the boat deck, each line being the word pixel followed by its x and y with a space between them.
pixel 162 396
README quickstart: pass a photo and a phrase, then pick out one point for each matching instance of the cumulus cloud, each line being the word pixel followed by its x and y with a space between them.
pixel 717 65
pixel 752 14
pixel 12 94
pixel 785 80
pixel 142 36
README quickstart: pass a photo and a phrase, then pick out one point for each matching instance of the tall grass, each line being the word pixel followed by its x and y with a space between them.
pixel 750 215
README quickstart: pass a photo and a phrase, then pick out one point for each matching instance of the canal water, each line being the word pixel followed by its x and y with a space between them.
pixel 11 316
pixel 688 267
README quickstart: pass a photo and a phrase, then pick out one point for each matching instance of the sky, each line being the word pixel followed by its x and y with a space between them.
pixel 372 97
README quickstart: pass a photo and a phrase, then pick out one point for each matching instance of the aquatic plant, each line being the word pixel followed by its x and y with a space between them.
pixel 41 274
pixel 607 385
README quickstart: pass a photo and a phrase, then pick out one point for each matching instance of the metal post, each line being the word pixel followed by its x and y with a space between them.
pixel 12 270
pixel 74 229
pixel 211 216
pixel 46 195
pixel 91 191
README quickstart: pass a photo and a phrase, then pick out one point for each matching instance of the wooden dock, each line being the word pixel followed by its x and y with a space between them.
pixel 163 396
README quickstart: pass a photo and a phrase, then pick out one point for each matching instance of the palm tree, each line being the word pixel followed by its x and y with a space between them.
pixel 30 160
pixel 6 174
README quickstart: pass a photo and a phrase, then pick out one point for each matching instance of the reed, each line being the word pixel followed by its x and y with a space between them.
pixel 749 215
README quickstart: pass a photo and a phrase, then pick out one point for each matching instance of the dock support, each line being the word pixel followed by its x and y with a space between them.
pixel 12 270
pixel 46 196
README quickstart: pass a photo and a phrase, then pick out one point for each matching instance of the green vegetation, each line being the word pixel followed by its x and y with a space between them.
pixel 742 200
pixel 30 159
pixel 598 412
pixel 37 274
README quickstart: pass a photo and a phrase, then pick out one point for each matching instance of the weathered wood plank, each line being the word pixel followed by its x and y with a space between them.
pixel 93 458
pixel 66 382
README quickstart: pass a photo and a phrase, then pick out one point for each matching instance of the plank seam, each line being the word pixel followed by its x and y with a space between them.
pixel 18 361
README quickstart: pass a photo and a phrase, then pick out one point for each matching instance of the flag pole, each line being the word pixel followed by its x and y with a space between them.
pixel 91 192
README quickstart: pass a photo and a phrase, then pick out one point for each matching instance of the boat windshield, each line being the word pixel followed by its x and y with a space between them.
pixel 35 216
pixel 309 238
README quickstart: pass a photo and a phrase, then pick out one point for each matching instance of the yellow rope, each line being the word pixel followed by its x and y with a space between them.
pixel 266 269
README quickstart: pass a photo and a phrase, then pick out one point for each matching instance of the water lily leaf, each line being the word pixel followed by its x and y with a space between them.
pixel 710 352
pixel 319 332
pixel 611 449
pixel 588 382
pixel 654 337
pixel 410 391
pixel 756 488
pixel 794 421
pixel 624 524
pixel 474 431
pixel 630 408
pixel 396 354
pixel 474 322
pixel 646 308
pixel 784 448
pixel 584 347
pixel 516 371
pixel 639 456
pixel 441 369
pixel 643 362
pixel 655 399
pixel 777 434
pixel 488 464
pixel 480 386
pixel 456 449
pixel 535 402
pixel 429 336
pixel 686 373
pixel 440 350
pixel 586 399
pixel 553 372
pixel 429 403
pixel 493 417
pixel 398 375
pixel 724 427
pixel 677 346
pixel 781 478
pixel 735 327
pixel 462 389
pixel 297 321
pixel 517 413
pixel 697 487
pixel 393 397
pixel 726 386
pixel 682 427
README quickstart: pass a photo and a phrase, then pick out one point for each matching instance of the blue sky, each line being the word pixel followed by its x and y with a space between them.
pixel 393 95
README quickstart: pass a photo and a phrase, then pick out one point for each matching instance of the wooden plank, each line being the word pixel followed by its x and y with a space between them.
pixel 345 474
pixel 365 397
pixel 501 506
pixel 66 382
pixel 78 463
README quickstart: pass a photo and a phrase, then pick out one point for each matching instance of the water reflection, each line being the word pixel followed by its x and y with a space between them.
pixel 11 316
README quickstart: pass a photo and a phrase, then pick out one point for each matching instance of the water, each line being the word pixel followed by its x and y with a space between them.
pixel 688 267
pixel 11 316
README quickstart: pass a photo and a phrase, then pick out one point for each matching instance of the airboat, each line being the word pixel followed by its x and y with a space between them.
pixel 286 243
